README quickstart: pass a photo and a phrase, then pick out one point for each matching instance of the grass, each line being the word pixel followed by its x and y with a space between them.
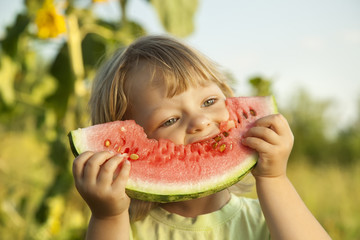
pixel 331 193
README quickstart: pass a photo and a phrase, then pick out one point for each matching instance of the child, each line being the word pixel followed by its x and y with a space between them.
pixel 174 92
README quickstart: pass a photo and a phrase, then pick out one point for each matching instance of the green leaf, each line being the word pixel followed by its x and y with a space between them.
pixel 61 70
pixel 93 48
pixel 128 32
pixel 177 16
pixel 261 86
pixel 10 43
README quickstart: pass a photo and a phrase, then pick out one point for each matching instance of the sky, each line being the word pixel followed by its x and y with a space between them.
pixel 314 45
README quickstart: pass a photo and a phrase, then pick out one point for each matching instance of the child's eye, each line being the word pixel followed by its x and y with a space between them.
pixel 170 122
pixel 209 102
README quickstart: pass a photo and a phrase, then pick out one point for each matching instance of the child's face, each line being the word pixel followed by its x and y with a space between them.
pixel 191 116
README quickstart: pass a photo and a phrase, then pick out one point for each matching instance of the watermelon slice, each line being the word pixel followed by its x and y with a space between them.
pixel 162 171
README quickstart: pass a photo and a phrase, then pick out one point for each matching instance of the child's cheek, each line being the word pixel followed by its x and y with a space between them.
pixel 222 113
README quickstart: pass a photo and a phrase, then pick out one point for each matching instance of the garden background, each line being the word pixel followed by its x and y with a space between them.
pixel 42 98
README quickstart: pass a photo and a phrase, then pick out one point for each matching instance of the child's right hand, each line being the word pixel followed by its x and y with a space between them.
pixel 99 185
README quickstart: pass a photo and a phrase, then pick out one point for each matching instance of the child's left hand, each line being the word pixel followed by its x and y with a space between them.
pixel 272 138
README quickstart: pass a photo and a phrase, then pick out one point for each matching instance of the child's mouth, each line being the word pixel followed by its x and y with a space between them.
pixel 225 127
pixel 205 138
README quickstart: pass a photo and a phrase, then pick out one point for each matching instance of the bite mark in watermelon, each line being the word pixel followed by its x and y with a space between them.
pixel 162 171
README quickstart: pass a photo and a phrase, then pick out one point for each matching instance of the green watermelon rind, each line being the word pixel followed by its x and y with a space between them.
pixel 274 105
pixel 72 139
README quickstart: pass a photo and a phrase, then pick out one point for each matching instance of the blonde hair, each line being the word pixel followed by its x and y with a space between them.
pixel 180 67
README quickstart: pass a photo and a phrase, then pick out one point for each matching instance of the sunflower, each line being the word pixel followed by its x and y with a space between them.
pixel 49 22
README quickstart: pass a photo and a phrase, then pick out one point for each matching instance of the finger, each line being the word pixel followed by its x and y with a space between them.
pixel 264 133
pixel 257 144
pixel 93 165
pixel 121 179
pixel 108 170
pixel 276 122
pixel 79 163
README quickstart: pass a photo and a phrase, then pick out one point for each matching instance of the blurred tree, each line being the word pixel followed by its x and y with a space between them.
pixel 309 123
pixel 347 144
pixel 43 97
pixel 261 86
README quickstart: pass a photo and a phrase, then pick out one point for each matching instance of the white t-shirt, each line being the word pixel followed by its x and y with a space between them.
pixel 240 218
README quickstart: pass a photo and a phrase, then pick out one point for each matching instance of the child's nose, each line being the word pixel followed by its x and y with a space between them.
pixel 198 123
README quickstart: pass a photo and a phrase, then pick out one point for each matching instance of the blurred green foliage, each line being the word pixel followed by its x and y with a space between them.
pixel 43 97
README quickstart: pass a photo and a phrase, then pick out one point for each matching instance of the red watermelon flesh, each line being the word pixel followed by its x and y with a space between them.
pixel 162 171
